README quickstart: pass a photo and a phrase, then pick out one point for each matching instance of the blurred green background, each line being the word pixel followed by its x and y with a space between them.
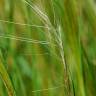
pixel 47 48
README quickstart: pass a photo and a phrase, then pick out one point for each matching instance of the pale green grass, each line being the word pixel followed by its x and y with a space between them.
pixel 47 48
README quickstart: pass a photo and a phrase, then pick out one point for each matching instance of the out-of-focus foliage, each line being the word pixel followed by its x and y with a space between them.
pixel 47 48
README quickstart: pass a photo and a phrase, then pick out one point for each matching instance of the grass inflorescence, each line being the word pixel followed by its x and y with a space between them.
pixel 47 48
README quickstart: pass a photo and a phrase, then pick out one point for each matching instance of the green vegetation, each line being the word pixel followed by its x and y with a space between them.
pixel 47 48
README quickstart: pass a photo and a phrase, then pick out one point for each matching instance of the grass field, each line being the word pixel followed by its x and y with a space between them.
pixel 47 48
